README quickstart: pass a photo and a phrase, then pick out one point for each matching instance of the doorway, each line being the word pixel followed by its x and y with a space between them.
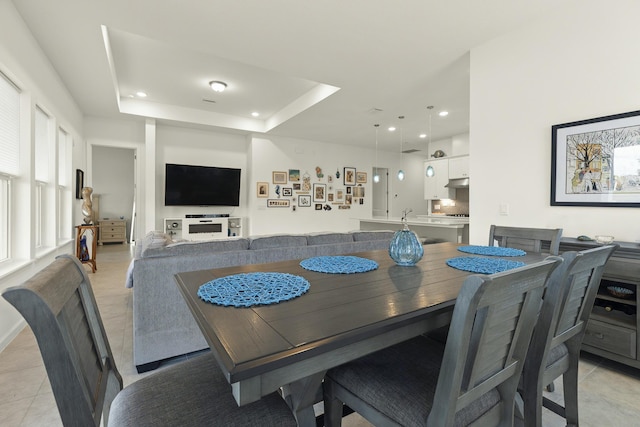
pixel 380 193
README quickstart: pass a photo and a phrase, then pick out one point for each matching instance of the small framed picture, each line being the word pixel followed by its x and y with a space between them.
pixel 339 195
pixel 304 200
pixel 361 177
pixel 330 197
pixel 79 183
pixel 329 179
pixel 296 186
pixel 349 176
pixel 262 189
pixel 358 191
pixel 294 175
pixel 318 206
pixel 319 192
pixel 348 199
pixel 279 177
pixel 287 191
pixel 348 190
pixel 278 203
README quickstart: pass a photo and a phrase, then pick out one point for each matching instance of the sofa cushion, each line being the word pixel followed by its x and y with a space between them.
pixel 328 238
pixel 360 236
pixel 277 241
pixel 152 241
pixel 198 247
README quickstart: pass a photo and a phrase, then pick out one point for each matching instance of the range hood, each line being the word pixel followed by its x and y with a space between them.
pixel 458 183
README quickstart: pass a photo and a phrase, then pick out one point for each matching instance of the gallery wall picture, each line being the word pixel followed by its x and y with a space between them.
pixel 319 192
pixel 287 191
pixel 278 203
pixel 349 176
pixel 262 189
pixel 304 200
pixel 279 177
pixel 294 175
pixel 361 177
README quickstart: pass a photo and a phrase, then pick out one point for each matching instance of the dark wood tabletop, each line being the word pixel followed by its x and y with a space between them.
pixel 341 317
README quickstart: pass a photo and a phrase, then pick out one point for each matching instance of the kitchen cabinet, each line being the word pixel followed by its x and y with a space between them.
pixel 459 167
pixel 436 176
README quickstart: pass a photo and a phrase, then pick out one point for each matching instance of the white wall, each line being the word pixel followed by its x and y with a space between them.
pixel 580 63
pixel 113 180
pixel 268 154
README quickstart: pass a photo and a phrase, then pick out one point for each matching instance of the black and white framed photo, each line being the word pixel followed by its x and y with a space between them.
pixel 304 200
pixel 287 191
pixel 79 183
pixel 595 162
pixel 279 177
pixel 278 203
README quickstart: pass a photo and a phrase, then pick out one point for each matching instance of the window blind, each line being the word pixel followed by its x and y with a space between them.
pixel 42 146
pixel 9 127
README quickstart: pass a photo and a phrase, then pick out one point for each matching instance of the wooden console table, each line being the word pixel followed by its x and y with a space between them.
pixel 613 331
pixel 81 231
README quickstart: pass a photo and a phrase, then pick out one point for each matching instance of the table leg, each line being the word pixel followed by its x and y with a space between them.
pixel 302 395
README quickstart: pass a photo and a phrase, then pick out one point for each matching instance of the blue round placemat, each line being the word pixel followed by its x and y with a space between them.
pixel 482 264
pixel 338 264
pixel 249 289
pixel 492 250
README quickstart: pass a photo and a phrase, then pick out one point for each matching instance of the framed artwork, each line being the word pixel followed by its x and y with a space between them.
pixel 296 186
pixel 79 183
pixel 348 190
pixel 349 176
pixel 278 203
pixel 330 197
pixel 358 191
pixel 318 206
pixel 262 189
pixel 348 199
pixel 294 175
pixel 339 195
pixel 287 191
pixel 329 179
pixel 595 162
pixel 361 177
pixel 279 177
pixel 319 192
pixel 304 200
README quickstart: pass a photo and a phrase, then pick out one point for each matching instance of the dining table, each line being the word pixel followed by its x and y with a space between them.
pixel 288 346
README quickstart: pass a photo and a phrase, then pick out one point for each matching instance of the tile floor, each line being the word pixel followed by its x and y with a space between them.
pixel 609 392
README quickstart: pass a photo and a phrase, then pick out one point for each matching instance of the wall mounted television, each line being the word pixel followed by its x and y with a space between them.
pixel 187 185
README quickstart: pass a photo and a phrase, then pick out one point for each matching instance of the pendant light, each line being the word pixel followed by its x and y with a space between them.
pixel 430 171
pixel 400 171
pixel 376 175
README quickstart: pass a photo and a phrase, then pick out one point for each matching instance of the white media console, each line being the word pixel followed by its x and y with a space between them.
pixel 203 227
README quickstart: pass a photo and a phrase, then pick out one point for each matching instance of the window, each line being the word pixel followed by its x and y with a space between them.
pixel 9 155
pixel 43 160
pixel 64 187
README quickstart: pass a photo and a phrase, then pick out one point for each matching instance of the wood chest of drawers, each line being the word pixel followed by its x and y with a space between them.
pixel 112 230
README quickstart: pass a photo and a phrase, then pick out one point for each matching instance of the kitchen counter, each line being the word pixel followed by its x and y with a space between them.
pixel 439 228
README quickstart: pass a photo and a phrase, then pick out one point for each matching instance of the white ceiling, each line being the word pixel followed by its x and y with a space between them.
pixel 315 70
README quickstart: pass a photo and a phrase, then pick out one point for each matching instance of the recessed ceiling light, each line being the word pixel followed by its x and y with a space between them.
pixel 141 94
pixel 392 128
pixel 255 114
pixel 422 135
pixel 443 113
pixel 218 86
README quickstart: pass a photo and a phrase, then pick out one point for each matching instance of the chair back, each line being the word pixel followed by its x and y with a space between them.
pixel 59 306
pixel 488 339
pixel 565 312
pixel 527 239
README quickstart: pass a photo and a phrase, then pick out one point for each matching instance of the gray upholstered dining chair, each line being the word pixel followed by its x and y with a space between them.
pixel 477 371
pixel 527 239
pixel 59 305
pixel 557 337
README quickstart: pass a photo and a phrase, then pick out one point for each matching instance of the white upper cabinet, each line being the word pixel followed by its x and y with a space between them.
pixel 436 176
pixel 459 167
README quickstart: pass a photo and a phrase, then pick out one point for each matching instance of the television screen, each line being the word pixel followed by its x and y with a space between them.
pixel 187 185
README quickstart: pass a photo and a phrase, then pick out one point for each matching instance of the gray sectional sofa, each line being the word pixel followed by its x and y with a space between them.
pixel 163 326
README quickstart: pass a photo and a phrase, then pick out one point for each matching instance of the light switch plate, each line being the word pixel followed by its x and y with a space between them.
pixel 504 208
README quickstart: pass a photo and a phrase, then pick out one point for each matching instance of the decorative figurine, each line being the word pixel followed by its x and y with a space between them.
pixel 87 210
pixel 405 248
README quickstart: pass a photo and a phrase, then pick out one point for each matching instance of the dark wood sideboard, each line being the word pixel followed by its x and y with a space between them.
pixel 614 326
